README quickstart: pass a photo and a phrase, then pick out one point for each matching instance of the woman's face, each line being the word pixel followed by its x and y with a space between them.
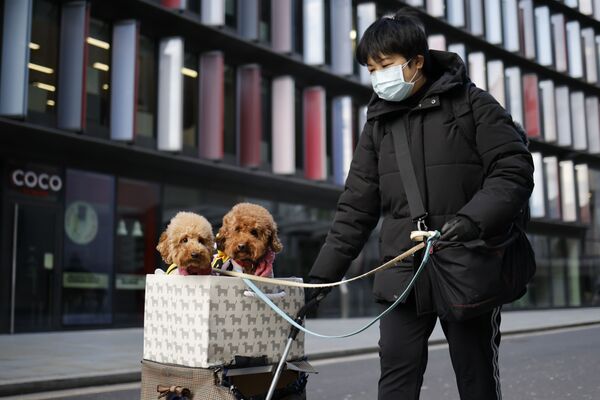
pixel 410 71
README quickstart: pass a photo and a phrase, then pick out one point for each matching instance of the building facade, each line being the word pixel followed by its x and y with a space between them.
pixel 116 115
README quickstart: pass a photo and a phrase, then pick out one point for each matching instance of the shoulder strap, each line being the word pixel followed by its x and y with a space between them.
pixel 407 170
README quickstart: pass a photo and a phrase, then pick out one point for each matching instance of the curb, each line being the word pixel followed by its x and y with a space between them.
pixel 128 376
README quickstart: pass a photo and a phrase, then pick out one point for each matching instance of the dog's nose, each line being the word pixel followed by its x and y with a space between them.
pixel 242 246
pixel 195 255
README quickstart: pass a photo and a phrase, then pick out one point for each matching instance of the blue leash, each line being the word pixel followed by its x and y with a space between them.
pixel 279 311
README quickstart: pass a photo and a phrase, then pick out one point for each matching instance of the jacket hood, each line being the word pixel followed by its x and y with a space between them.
pixel 447 71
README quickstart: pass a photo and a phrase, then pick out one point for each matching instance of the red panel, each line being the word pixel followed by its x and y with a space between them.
pixel 250 115
pixel 171 4
pixel 532 105
pixel 314 133
pixel 212 106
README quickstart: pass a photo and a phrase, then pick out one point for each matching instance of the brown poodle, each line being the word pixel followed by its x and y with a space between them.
pixel 187 245
pixel 247 241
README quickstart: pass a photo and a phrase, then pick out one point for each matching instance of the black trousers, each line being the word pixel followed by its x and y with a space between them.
pixel 473 348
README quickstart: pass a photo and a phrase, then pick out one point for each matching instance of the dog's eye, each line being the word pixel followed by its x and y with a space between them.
pixel 184 240
pixel 200 240
pixel 254 232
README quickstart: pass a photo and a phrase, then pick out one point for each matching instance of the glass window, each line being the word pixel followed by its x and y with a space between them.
pixel 231 13
pixel 88 244
pixel 297 28
pixel 264 23
pixel 190 100
pixel 43 57
pixel 299 110
pixel 136 238
pixel 193 6
pixel 146 90
pixel 98 74
pixel 230 114
pixel 267 141
pixel 558 277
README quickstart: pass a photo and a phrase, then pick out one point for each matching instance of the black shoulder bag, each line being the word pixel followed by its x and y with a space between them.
pixel 467 278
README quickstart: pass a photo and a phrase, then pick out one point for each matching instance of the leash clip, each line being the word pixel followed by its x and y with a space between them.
pixel 421 225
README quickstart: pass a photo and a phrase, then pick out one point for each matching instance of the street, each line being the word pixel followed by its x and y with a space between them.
pixel 554 365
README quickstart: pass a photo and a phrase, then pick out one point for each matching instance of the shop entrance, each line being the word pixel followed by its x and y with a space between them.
pixel 35 265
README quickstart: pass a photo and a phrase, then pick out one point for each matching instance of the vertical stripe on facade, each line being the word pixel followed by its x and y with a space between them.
pixel 249 121
pixel 342 138
pixel 15 57
pixel 212 105
pixel 174 4
pixel 281 26
pixel 366 14
pixel 313 15
pixel 247 11
pixel 123 100
pixel 315 167
pixel 213 12
pixel 170 94
pixel 342 60
pixel 72 64
pixel 531 101
pixel 283 125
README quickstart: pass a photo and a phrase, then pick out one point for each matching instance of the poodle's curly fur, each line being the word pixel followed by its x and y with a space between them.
pixel 248 232
pixel 188 242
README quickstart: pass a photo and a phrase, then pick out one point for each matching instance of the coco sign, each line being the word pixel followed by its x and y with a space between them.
pixel 35 182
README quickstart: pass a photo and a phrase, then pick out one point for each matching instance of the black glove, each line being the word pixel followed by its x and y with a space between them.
pixel 318 293
pixel 459 229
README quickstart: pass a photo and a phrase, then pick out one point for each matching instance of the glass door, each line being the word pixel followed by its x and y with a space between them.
pixel 35 254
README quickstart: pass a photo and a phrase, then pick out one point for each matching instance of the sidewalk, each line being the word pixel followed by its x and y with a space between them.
pixel 60 360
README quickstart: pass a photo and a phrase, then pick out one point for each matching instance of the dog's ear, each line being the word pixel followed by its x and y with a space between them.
pixel 220 239
pixel 276 245
pixel 163 248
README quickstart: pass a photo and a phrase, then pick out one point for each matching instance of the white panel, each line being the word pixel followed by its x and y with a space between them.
pixel 543 35
pixel 597 10
pixel 590 56
pixel 459 48
pixel 495 79
pixel 514 94
pixel 582 174
pixel 526 7
pixel 493 21
pixel 342 138
pixel 15 57
pixel 170 94
pixel 548 108
pixel 456 13
pixel 510 25
pixel 247 13
pixel 437 42
pixel 71 64
pixel 435 8
pixel 578 121
pixel 342 61
pixel 585 7
pixel 567 191
pixel 475 17
pixel 366 14
pixel 477 69
pixel 281 25
pixel 574 49
pixel 552 187
pixel 593 124
pixel 559 42
pixel 283 120
pixel 213 12
pixel 415 3
pixel 314 32
pixel 123 80
pixel 563 118
pixel 537 201
pixel 571 3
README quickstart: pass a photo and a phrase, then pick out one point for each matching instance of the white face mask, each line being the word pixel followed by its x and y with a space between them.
pixel 389 83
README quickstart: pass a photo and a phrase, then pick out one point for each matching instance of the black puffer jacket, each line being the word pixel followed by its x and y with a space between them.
pixel 489 180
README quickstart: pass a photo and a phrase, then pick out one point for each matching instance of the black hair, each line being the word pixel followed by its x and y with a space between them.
pixel 403 34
